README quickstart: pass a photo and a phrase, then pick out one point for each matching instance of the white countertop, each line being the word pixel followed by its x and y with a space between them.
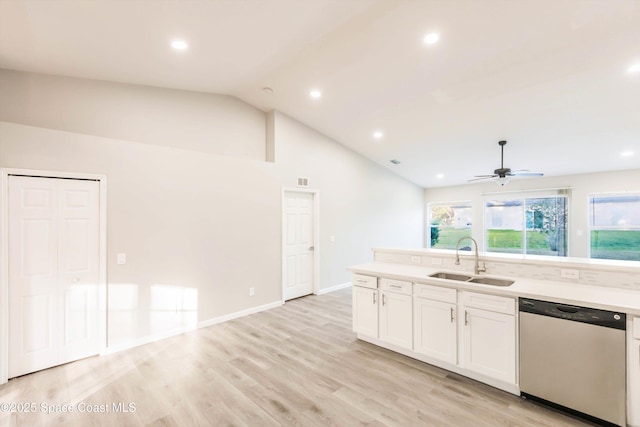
pixel 606 298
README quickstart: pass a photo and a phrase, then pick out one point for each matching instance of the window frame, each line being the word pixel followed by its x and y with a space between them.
pixel 523 197
pixel 466 202
pixel 591 227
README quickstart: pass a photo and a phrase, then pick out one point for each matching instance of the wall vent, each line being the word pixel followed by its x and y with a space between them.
pixel 303 181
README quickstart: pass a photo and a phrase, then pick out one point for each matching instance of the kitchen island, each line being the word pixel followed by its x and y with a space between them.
pixel 473 328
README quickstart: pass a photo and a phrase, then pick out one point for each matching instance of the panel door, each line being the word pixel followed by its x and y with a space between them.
pixel 33 274
pixel 299 245
pixel 435 332
pixel 489 344
pixel 396 321
pixel 78 269
pixel 53 272
pixel 365 311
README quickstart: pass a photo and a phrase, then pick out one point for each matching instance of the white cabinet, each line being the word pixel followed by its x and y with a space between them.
pixel 488 335
pixel 633 371
pixel 396 323
pixel 365 305
pixel 470 333
pixel 434 323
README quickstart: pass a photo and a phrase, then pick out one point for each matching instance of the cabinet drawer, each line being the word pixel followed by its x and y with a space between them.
pixel 398 286
pixel 636 328
pixel 364 281
pixel 436 293
pixel 493 303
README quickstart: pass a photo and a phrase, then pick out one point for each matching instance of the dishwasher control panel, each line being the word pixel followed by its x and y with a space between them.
pixel 594 316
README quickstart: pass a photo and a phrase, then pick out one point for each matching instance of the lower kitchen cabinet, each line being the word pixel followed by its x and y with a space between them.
pixel 434 323
pixel 470 333
pixel 633 371
pixel 365 305
pixel 488 342
pixel 396 322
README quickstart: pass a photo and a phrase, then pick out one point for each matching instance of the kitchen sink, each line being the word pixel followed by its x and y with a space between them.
pixel 451 276
pixel 491 281
pixel 482 280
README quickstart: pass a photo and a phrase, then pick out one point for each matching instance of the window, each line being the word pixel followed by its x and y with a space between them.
pixel 535 225
pixel 614 227
pixel 448 222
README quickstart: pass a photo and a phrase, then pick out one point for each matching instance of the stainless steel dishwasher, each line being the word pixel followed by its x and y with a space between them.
pixel 574 357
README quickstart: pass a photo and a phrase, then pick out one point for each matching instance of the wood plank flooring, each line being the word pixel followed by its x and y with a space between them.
pixel 298 365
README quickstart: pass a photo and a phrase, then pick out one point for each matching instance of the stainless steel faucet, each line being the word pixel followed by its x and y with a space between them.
pixel 476 268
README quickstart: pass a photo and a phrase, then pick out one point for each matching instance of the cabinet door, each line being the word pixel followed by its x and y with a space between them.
pixel 365 311
pixel 434 334
pixel 633 371
pixel 396 322
pixel 488 344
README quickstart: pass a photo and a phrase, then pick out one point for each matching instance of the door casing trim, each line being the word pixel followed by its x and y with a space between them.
pixel 316 240
pixel 4 256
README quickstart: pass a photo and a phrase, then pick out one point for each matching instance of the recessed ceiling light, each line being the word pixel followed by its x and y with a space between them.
pixel 378 134
pixel 626 154
pixel 267 90
pixel 431 38
pixel 440 176
pixel 315 93
pixel 179 44
pixel 635 68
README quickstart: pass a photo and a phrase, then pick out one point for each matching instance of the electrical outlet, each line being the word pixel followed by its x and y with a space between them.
pixel 252 291
pixel 416 259
pixel 436 261
pixel 569 274
pixel 121 258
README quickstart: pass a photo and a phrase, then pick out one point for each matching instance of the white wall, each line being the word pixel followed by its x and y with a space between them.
pixel 185 219
pixel 176 118
pixel 362 204
pixel 581 186
pixel 199 219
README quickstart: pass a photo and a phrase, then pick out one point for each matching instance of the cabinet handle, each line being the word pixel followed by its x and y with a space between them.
pixel 466 318
pixel 383 301
pixel 374 298
pixel 453 317
pixel 395 286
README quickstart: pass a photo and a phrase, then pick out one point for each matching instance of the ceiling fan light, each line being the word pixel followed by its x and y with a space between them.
pixel 502 180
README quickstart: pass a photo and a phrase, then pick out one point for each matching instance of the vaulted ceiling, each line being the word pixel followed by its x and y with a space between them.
pixel 553 77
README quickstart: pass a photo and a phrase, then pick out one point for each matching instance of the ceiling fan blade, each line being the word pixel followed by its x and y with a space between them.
pixel 482 177
pixel 502 175
pixel 526 173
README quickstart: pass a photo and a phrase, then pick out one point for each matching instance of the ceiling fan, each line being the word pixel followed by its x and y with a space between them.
pixel 502 175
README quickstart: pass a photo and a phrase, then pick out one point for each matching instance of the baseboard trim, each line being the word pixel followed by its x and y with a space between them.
pixel 146 340
pixel 333 288
pixel 237 314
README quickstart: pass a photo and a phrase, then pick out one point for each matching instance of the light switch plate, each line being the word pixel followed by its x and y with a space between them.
pixel 121 258
pixel 416 259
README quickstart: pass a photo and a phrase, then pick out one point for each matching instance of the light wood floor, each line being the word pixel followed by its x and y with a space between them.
pixel 295 365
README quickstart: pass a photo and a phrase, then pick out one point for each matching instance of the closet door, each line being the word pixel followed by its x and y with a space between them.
pixel 53 272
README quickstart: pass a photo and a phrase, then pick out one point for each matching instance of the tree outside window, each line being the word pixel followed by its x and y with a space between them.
pixel 448 222
pixel 527 226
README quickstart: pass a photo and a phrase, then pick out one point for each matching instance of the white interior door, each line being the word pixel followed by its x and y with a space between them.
pixel 53 272
pixel 298 244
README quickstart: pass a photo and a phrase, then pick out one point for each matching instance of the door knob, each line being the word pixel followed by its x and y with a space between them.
pixel 311 248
